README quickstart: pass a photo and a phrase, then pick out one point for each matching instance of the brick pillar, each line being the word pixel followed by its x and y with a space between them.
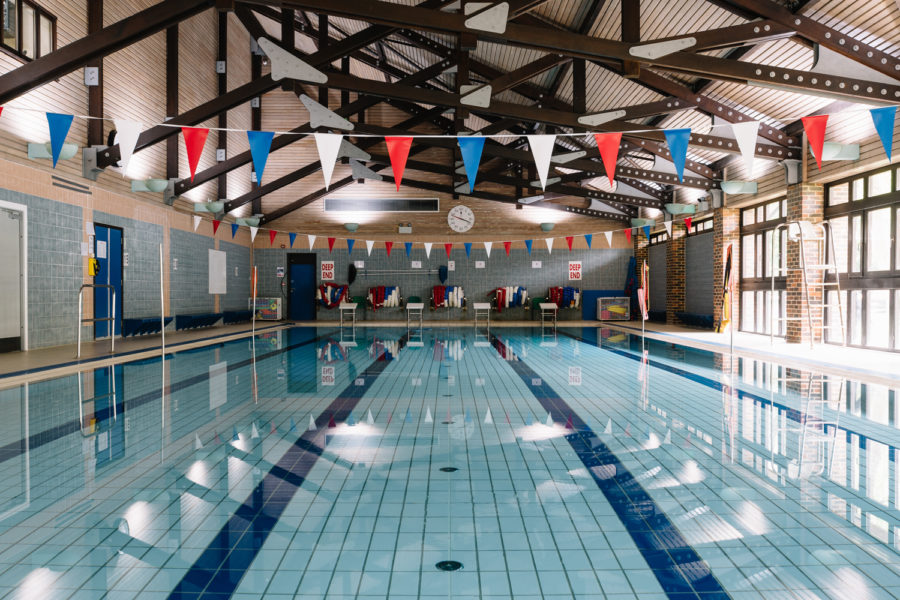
pixel 805 202
pixel 675 276
pixel 641 254
pixel 726 231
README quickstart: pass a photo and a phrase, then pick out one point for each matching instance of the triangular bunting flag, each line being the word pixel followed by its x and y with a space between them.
pixel 487 248
pixel 468 416
pixel 254 432
pixel 398 150
pixel 529 420
pixel 668 225
pixel 350 245
pixel 370 420
pixel 468 246
pixel 448 246
pixel 608 145
pixel 197 443
pixel 428 417
pixel 197 219
pixel 253 231
pixel 351 420
pixel 549 421
pixel 488 418
pixel 677 140
pixel 408 417
pixel 310 427
pixel 388 246
pixel 814 127
pixel 687 223
pixel 369 245
pixel 59 128
pixel 646 229
pixel 569 240
pixel 331 241
pixel 234 434
pixel 127 133
pixel 194 140
pixel 216 226
pixel 470 147
pixel 883 118
pixel 549 242
pixel 234 229
pixel 542 149
pixel 260 145
pixel 528 245
pixel 628 235
pixel 668 438
pixel 507 246
pixel 272 235
pixel 328 145
pixel 745 134
pixel 608 235
pixel 312 240
pixel 272 428
pixel 408 248
pixel 608 429
pixel 588 237
pixel 427 249
pixel 292 237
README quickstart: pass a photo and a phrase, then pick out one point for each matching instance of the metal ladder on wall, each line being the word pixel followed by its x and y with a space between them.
pixel 826 280
pixel 817 433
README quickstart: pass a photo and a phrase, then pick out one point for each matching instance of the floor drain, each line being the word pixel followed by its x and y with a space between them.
pixel 449 469
pixel 449 565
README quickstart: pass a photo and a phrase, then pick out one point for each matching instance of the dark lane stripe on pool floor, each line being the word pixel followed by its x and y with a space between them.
pixel 217 572
pixel 681 572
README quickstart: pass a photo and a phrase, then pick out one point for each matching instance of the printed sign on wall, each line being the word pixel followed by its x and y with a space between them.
pixel 479 264
pixel 574 270
pixel 416 264
pixel 574 375
pixel 327 270
pixel 327 377
pixel 535 264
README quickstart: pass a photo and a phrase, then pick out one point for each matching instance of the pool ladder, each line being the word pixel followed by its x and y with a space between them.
pixel 817 434
pixel 816 292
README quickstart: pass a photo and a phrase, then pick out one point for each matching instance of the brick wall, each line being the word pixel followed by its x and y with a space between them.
pixel 726 231
pixel 675 276
pixel 805 202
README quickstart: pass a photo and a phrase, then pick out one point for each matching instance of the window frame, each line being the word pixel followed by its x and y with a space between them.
pixel 761 283
pixel 39 11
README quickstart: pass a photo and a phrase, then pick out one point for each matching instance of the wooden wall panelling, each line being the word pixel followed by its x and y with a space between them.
pixel 239 61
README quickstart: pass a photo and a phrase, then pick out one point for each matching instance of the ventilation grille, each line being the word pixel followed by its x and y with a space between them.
pixel 382 204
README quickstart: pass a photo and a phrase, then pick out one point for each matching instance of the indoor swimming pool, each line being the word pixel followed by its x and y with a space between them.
pixel 449 463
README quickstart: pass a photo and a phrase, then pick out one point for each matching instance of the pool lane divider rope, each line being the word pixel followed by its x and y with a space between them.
pixel 678 568
pixel 220 567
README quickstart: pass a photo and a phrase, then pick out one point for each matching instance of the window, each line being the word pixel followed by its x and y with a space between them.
pixel 839 232
pixel 859 189
pixel 878 239
pixel 838 194
pixel 878 313
pixel 748 257
pixel 879 184
pixel 28 30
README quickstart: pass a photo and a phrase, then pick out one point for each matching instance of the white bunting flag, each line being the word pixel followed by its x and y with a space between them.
pixel 197 220
pixel 328 144
pixel 369 245
pixel 487 248
pixel 198 445
pixel 542 149
pixel 312 240
pixel 745 134
pixel 253 231
pixel 369 418
pixel 428 417
pixel 254 432
pixel 427 249
pixel 549 245
pixel 488 418
pixel 549 421
pixel 668 225
pixel 312 424
pixel 608 235
pixel 127 133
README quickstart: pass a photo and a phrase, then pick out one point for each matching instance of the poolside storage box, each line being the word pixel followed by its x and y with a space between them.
pixel 267 309
pixel 613 309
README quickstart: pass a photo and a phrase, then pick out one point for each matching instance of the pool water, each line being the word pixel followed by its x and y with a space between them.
pixel 449 463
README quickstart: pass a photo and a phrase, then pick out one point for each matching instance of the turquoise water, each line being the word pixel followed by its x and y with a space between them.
pixel 550 466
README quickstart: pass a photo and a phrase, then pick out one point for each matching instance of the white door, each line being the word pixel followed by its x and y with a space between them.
pixel 10 280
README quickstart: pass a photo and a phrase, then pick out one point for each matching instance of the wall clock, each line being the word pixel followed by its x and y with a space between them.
pixel 460 218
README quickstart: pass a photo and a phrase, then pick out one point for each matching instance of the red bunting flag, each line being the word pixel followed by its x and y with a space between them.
pixel 388 246
pixel 628 235
pixel 448 246
pixel 398 150
pixel 330 244
pixel 608 144
pixel 569 240
pixel 194 140
pixel 814 127
pixel 687 223
pixel 1 110
pixel 272 234
pixel 506 246
pixel 216 226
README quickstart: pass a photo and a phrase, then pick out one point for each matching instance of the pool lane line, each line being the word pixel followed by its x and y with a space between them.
pixel 36 440
pixel 678 568
pixel 219 569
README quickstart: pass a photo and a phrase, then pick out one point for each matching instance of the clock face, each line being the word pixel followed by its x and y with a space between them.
pixel 461 218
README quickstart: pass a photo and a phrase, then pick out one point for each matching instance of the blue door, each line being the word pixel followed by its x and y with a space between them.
pixel 302 292
pixel 108 251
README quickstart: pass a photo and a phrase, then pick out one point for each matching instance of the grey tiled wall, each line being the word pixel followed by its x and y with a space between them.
pixel 189 282
pixel 238 286
pixel 698 274
pixel 658 272
pixel 602 269
pixel 141 287
pixel 55 232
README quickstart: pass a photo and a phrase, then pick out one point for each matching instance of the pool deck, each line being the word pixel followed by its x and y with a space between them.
pixel 869 365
